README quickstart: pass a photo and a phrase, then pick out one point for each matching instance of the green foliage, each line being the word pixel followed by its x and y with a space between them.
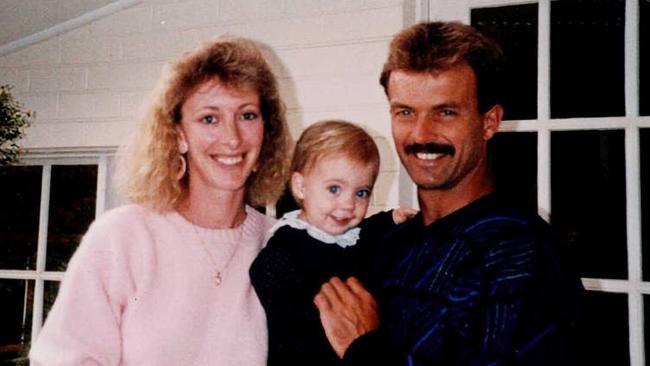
pixel 13 121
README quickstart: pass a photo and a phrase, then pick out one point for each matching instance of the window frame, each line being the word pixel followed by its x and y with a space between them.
pixel 106 197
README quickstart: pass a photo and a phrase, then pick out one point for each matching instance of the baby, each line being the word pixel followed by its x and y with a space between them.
pixel 334 168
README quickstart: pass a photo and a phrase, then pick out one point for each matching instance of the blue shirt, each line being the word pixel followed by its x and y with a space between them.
pixel 480 286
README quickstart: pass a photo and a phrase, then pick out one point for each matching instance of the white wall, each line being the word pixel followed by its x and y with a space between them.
pixel 87 85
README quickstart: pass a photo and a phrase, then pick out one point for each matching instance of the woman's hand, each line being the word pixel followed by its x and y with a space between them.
pixel 347 311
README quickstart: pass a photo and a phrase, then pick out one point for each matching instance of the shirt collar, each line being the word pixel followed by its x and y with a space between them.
pixel 347 239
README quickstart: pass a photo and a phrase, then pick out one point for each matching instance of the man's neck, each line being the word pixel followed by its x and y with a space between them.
pixel 436 204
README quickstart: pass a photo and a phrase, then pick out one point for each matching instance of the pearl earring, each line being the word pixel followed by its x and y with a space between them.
pixel 182 147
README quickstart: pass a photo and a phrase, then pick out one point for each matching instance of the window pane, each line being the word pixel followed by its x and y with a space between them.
pixel 644 57
pixel 604 330
pixel 51 291
pixel 588 199
pixel 645 200
pixel 587 58
pixel 646 327
pixel 515 28
pixel 19 214
pixel 513 160
pixel 16 313
pixel 72 208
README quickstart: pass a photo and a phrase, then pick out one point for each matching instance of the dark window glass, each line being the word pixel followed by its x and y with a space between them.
pixel 19 215
pixel 513 161
pixel 588 199
pixel 72 208
pixel 17 297
pixel 644 57
pixel 587 58
pixel 646 326
pixel 515 28
pixel 51 291
pixel 645 200
pixel 603 335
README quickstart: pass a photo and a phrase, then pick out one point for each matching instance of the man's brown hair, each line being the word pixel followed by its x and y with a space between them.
pixel 439 46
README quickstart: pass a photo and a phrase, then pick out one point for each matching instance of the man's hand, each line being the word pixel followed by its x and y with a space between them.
pixel 402 214
pixel 347 311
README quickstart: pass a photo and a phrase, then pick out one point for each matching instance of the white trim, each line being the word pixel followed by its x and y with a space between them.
pixel 544 174
pixel 636 324
pixel 631 58
pixel 543 60
pixel 43 220
pixel 634 254
pixel 14 274
pixel 493 3
pixel 41 251
pixel 542 125
pixel 102 177
pixel 617 286
pixel 576 124
pixel 633 184
pixel 633 204
pixel 67 26
pixel 39 156
pixel 606 285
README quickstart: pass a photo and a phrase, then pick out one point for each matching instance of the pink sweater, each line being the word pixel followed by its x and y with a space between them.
pixel 140 290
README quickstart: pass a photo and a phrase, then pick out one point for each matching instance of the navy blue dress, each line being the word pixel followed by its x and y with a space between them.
pixel 289 272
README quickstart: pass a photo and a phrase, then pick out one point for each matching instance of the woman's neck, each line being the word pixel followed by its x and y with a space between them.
pixel 220 211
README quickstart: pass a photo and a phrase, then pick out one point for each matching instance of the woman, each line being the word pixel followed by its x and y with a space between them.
pixel 164 281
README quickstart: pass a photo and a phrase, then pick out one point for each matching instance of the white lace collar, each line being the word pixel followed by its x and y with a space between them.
pixel 348 238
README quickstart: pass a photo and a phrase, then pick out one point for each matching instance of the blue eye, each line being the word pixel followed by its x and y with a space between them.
pixel 209 119
pixel 334 189
pixel 364 193
pixel 249 116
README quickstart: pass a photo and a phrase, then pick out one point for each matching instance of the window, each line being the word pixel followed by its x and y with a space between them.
pixel 576 132
pixel 48 204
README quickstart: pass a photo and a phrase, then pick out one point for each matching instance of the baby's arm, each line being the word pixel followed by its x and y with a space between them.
pixel 402 214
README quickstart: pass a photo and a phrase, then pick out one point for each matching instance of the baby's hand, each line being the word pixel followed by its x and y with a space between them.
pixel 402 214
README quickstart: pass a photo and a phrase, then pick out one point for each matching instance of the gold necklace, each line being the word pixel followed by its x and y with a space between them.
pixel 218 277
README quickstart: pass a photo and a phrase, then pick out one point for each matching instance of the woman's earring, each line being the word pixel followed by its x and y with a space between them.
pixel 182 149
pixel 183 167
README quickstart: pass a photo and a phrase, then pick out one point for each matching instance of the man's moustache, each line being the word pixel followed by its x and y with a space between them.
pixel 431 148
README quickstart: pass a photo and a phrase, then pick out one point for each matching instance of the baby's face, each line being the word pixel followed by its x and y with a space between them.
pixel 335 194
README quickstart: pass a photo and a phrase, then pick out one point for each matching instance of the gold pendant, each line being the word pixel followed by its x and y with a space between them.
pixel 217 278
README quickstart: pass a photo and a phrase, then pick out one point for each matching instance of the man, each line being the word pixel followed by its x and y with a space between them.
pixel 471 280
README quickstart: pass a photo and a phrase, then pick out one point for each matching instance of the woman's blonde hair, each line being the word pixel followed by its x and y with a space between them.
pixel 153 159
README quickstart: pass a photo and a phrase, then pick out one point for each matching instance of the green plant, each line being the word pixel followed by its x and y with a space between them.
pixel 13 121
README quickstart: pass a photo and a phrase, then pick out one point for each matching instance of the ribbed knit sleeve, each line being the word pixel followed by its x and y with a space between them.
pixel 83 326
